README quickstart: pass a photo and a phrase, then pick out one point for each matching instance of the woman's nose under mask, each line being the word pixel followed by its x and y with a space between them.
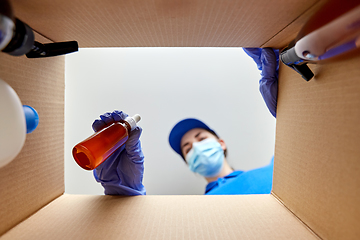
pixel 206 157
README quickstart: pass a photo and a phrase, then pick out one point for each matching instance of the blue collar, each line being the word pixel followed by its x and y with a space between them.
pixel 214 184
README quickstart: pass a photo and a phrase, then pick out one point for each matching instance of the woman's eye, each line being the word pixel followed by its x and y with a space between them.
pixel 201 138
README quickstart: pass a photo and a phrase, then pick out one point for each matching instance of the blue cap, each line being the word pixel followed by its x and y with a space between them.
pixel 183 127
pixel 32 118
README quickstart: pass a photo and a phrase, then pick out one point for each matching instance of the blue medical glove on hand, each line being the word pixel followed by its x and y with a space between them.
pixel 267 61
pixel 122 172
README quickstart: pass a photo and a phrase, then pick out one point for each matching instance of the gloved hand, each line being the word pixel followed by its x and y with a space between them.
pixel 122 172
pixel 267 61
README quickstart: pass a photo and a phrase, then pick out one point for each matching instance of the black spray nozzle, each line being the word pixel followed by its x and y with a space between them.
pixel 22 42
pixel 304 71
pixel 291 59
pixel 40 50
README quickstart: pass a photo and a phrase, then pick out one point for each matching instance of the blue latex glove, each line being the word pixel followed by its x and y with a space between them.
pixel 267 61
pixel 122 172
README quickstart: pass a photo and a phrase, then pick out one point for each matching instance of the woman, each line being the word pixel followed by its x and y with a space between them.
pixel 205 153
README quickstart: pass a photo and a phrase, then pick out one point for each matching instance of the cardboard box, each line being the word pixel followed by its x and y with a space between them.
pixel 316 192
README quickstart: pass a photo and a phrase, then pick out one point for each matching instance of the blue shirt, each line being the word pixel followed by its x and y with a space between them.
pixel 257 181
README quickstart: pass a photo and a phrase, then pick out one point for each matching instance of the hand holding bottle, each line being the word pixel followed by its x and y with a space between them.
pixel 122 172
pixel 94 150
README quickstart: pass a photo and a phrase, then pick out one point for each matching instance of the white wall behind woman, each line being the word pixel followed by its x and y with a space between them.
pixel 164 85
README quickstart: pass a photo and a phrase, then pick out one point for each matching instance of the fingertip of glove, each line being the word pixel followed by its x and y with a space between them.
pixel 107 118
pixel 137 129
pixel 98 125
pixel 270 52
pixel 136 132
pixel 118 115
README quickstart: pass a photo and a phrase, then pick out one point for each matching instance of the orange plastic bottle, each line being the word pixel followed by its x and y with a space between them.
pixel 93 151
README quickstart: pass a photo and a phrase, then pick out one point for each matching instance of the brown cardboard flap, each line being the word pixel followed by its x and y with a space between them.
pixel 317 152
pixel 162 23
pixel 36 176
pixel 162 217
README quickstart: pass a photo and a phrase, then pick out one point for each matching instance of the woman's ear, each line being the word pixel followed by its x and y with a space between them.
pixel 222 143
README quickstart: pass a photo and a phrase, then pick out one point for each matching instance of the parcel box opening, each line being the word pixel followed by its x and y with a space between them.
pixel 316 185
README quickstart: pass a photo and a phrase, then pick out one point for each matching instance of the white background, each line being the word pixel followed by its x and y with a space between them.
pixel 165 85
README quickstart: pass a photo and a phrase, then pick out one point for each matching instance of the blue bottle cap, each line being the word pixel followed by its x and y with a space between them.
pixel 32 118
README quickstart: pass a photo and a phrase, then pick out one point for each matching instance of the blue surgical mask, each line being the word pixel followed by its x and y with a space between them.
pixel 206 157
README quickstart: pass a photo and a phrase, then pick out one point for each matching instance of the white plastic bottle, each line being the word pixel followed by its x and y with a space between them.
pixel 12 124
pixel 16 120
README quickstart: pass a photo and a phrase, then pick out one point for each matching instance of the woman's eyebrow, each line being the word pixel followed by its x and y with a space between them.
pixel 187 143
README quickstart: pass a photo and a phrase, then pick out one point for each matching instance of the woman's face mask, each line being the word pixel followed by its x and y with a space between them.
pixel 206 157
